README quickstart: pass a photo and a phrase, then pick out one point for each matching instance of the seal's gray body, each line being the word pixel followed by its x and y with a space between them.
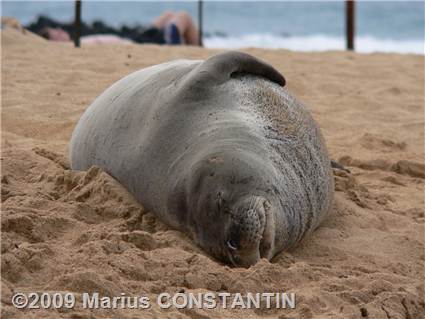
pixel 181 136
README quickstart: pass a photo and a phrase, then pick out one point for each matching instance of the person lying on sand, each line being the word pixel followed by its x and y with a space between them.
pixel 174 28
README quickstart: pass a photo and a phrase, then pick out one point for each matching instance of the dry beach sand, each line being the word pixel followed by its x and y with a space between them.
pixel 69 231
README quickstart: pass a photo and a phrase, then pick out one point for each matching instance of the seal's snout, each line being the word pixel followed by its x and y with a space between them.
pixel 246 231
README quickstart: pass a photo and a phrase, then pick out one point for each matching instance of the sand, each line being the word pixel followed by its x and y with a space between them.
pixel 69 231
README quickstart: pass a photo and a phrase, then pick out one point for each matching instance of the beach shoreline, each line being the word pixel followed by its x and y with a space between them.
pixel 393 26
pixel 76 232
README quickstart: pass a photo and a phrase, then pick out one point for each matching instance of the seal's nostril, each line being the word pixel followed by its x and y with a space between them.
pixel 231 244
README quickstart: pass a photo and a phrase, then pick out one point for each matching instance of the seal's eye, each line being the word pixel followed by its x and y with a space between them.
pixel 220 201
pixel 231 244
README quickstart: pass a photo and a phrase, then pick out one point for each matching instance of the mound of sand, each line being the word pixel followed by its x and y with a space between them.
pixel 68 231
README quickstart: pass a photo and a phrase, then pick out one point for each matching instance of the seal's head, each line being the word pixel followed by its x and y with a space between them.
pixel 244 231
pixel 233 215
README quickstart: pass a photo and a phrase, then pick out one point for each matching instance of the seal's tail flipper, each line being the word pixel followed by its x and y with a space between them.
pixel 221 67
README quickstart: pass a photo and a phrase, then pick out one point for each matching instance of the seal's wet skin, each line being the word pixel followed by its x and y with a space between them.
pixel 215 148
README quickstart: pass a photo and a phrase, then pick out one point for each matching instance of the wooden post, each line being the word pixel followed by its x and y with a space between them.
pixel 77 23
pixel 200 21
pixel 350 23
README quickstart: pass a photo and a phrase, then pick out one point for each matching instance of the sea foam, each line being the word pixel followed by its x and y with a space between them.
pixel 364 44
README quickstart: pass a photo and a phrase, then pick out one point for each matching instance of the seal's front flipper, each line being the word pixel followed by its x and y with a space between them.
pixel 335 164
pixel 220 68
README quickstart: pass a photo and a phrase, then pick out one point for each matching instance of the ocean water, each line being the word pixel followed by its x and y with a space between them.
pixel 381 26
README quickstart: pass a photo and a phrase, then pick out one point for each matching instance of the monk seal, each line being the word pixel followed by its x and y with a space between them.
pixel 217 149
